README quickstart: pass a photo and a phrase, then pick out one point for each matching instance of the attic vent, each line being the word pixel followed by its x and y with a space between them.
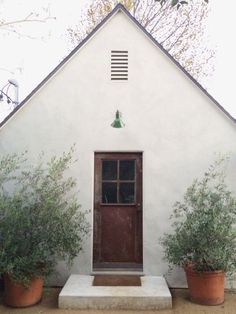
pixel 119 65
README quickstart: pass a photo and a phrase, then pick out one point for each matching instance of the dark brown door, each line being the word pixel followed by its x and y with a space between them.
pixel 118 211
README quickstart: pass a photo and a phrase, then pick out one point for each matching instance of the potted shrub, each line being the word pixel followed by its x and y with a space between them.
pixel 39 224
pixel 203 240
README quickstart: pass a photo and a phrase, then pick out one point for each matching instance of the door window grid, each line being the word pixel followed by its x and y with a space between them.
pixel 116 190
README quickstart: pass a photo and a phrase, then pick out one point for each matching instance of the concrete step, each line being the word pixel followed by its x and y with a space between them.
pixel 79 293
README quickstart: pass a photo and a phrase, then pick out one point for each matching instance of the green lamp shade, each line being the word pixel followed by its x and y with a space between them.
pixel 118 123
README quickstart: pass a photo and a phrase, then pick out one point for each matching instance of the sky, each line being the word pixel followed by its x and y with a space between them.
pixel 30 56
pixel 221 27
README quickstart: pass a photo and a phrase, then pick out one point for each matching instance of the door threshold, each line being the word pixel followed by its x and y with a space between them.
pixel 117 272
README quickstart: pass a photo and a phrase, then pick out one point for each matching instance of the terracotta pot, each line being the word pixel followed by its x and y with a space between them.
pixel 206 287
pixel 17 295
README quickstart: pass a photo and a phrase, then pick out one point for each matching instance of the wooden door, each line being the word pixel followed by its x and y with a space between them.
pixel 117 239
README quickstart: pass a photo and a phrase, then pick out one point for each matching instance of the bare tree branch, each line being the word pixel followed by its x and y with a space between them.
pixel 25 20
pixel 14 26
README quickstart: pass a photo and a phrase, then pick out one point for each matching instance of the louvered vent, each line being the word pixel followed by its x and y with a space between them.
pixel 119 65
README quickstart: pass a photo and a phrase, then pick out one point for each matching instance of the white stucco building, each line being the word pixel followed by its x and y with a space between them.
pixel 128 177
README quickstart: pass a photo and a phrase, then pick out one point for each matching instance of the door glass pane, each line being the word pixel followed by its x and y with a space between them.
pixel 127 168
pixel 109 170
pixel 126 193
pixel 109 192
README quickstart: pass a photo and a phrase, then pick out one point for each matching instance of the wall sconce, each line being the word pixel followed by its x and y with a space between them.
pixel 118 123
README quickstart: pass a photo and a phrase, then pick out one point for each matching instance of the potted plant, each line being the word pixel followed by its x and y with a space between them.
pixel 39 224
pixel 203 240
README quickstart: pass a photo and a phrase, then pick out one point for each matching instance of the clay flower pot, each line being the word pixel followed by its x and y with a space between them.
pixel 17 295
pixel 205 287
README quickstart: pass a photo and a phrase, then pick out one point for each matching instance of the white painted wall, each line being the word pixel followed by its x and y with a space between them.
pixel 167 117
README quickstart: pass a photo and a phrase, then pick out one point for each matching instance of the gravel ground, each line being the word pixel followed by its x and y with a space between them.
pixel 181 305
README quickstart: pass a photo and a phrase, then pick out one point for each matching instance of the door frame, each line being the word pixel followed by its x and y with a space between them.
pixel 139 203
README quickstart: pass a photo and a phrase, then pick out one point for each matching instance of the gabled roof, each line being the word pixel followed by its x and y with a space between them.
pixel 115 10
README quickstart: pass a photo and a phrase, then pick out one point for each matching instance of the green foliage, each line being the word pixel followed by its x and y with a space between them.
pixel 204 224
pixel 40 221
